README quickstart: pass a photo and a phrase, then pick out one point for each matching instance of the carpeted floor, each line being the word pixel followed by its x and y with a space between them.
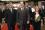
pixel 43 28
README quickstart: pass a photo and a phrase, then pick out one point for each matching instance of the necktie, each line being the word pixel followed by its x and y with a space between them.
pixel 11 10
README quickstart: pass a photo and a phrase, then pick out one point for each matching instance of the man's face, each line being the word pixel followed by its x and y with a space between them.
pixel 21 4
pixel 43 6
pixel 7 5
pixel 3 7
pixel 18 5
pixel 10 5
pixel 26 4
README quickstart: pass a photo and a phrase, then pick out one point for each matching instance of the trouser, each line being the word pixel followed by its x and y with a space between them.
pixel 37 25
pixel 20 25
pixel 43 20
pixel 10 26
pixel 28 26
pixel 24 26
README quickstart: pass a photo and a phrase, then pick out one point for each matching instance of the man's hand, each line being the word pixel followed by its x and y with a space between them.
pixel 28 22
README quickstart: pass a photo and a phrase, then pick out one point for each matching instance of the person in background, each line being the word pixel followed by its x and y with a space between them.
pixel 0 16
pixel 43 13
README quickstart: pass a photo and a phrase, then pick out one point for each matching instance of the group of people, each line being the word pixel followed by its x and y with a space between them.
pixel 23 15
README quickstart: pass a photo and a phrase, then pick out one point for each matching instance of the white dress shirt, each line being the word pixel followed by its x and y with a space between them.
pixel 33 10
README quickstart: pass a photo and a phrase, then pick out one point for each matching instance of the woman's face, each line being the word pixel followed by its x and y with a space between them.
pixel 37 8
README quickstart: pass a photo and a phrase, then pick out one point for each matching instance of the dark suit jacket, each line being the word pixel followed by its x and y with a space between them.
pixel 10 16
pixel 22 16
pixel 42 13
pixel 0 16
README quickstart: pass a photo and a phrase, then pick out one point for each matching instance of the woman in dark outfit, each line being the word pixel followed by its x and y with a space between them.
pixel 36 19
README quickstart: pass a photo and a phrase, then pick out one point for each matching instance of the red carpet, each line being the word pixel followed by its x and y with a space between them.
pixel 16 26
pixel 4 27
pixel 31 27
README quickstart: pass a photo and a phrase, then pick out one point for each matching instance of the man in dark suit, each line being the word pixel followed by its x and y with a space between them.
pixel 31 14
pixel 27 18
pixel 22 18
pixel 10 16
pixel 0 18
pixel 19 18
pixel 42 13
